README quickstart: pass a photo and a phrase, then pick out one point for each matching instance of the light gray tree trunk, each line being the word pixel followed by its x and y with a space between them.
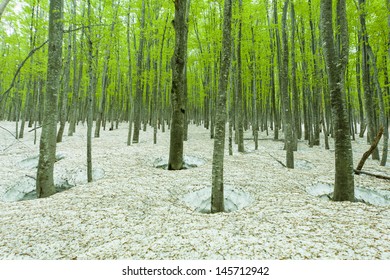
pixel 139 87
pixel 47 148
pixel 175 161
pixel 217 192
pixel 76 77
pixel 382 110
pixel 64 92
pixel 294 90
pixel 91 94
pixel 287 115
pixel 3 5
pixel 336 62
pixel 368 94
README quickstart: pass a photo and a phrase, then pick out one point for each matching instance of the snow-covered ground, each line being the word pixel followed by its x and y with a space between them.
pixel 137 211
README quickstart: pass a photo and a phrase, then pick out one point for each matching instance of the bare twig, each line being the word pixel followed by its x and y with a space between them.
pixel 14 137
pixel 5 94
pixel 277 160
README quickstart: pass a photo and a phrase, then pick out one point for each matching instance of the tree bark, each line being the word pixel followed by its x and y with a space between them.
pixel 3 5
pixel 370 150
pixel 288 135
pixel 239 97
pixel 47 148
pixel 91 95
pixel 368 94
pixel 139 87
pixel 175 161
pixel 217 192
pixel 382 112
pixel 336 62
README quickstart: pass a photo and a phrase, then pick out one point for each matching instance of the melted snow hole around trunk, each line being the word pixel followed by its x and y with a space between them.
pixel 188 162
pixel 200 200
pixel 365 195
pixel 24 188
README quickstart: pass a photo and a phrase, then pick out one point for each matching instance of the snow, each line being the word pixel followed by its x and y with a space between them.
pixel 200 200
pixel 371 196
pixel 188 162
pixel 137 211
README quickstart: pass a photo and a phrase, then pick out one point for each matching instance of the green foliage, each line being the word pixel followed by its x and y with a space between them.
pixel 23 27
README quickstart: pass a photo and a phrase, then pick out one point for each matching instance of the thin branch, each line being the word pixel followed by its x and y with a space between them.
pixel 5 94
pixel 14 137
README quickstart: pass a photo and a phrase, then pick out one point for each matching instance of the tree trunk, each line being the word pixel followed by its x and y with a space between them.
pixel 294 90
pixel 139 87
pixel 65 92
pixel 288 135
pixel 368 95
pixel 47 148
pixel 90 96
pixel 239 97
pixel 3 5
pixel 177 91
pixel 336 65
pixel 217 193
pixel 382 112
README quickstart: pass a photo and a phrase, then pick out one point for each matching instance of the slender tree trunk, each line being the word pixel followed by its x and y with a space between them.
pixel 178 82
pixel 294 90
pixel 217 192
pixel 255 124
pixel 316 99
pixel 47 149
pixel 65 92
pixel 91 95
pixel 382 111
pixel 336 62
pixel 368 94
pixel 76 78
pixel 275 110
pixel 3 5
pixel 139 87
pixel 239 97
pixel 288 135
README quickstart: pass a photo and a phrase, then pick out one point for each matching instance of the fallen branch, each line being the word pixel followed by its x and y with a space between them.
pixel 38 127
pixel 14 137
pixel 277 160
pixel 380 176
pixel 32 177
pixel 370 150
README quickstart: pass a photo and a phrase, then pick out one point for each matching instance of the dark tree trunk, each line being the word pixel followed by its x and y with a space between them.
pixel 336 58
pixel 47 148
pixel 175 161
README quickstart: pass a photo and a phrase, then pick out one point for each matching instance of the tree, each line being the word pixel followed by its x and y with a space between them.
pixel 239 92
pixel 178 82
pixel 139 87
pixel 336 59
pixel 3 5
pixel 287 115
pixel 217 192
pixel 368 93
pixel 47 149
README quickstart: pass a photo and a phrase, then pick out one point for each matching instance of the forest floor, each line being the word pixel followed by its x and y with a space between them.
pixel 136 211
